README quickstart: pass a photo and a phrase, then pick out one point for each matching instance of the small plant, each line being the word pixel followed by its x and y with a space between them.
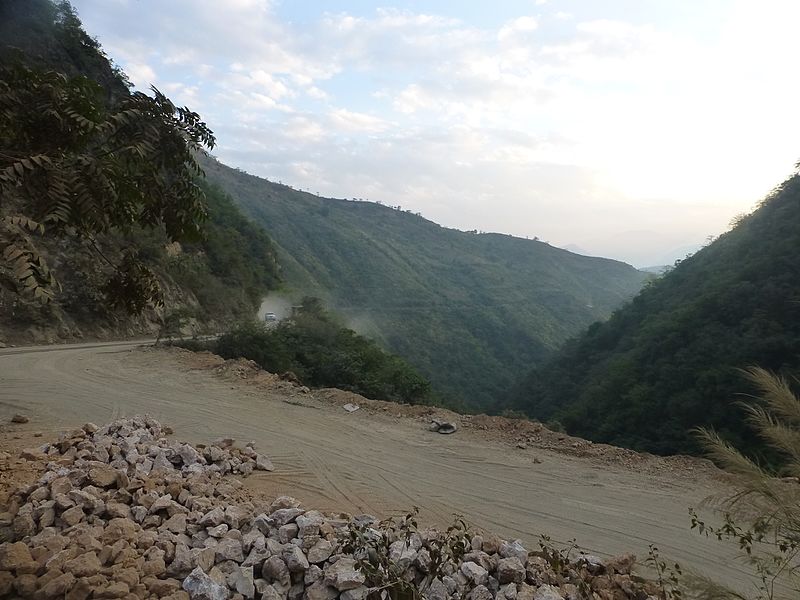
pixel 668 576
pixel 561 557
pixel 558 557
pixel 383 553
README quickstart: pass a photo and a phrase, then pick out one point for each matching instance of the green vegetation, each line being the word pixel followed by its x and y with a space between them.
pixel 323 353
pixel 73 165
pixel 468 311
pixel 667 362
pixel 231 268
pixel 103 183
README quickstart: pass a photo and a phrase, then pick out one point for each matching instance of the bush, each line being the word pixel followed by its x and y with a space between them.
pixel 323 353
pixel 763 515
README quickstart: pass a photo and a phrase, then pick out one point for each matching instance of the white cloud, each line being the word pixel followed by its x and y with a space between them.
pixel 350 121
pixel 566 127
pixel 141 74
pixel 519 26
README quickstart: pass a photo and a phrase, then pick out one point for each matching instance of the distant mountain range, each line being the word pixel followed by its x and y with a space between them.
pixel 640 248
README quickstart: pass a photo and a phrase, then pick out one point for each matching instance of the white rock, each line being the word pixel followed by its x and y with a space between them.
pixel 243 582
pixel 282 516
pixel 320 552
pixel 515 548
pixel 263 463
pixel 229 549
pixel 475 573
pixel 218 531
pixel 295 560
pixel 343 575
pixel 201 587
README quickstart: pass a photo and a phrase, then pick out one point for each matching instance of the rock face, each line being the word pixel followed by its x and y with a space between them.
pixel 121 512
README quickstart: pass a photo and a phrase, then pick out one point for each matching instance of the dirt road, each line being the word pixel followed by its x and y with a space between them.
pixel 364 462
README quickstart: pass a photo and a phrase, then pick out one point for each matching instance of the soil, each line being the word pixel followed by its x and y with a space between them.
pixel 512 477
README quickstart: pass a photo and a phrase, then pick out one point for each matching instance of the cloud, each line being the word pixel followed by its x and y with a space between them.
pixel 349 121
pixel 565 126
pixel 519 26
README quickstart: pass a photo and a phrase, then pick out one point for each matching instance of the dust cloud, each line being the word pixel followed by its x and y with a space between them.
pixel 280 305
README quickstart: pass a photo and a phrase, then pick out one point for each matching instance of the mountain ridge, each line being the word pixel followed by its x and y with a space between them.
pixel 411 283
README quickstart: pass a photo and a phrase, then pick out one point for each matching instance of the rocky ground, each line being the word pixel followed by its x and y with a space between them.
pixel 124 511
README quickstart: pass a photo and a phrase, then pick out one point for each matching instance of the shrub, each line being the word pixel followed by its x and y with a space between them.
pixel 763 515
pixel 323 353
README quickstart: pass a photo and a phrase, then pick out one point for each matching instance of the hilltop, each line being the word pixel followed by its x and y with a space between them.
pixel 468 310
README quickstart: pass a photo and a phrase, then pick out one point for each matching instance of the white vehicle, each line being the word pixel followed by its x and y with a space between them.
pixel 270 317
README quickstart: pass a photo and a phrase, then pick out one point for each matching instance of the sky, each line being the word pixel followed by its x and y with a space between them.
pixel 633 129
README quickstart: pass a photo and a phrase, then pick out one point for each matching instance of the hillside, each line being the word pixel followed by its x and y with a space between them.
pixel 469 311
pixel 211 281
pixel 667 362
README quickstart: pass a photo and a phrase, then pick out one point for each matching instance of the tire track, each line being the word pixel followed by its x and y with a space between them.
pixel 366 462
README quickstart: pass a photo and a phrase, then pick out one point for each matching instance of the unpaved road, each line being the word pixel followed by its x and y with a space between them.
pixel 363 462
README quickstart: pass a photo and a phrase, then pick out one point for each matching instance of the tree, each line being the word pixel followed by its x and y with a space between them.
pixel 75 163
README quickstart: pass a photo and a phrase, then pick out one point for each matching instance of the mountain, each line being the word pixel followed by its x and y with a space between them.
pixel 667 361
pixel 468 310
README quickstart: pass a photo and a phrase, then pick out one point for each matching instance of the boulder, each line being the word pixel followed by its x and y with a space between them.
pixel 84 565
pixel 201 587
pixel 295 560
pixel 263 463
pixel 320 552
pixel 475 573
pixel 243 583
pixel 103 476
pixel 547 592
pixel 510 570
pixel 17 557
pixel 275 569
pixel 321 591
pixel 343 575
pixel 229 549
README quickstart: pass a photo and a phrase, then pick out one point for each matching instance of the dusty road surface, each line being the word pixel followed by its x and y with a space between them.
pixel 366 462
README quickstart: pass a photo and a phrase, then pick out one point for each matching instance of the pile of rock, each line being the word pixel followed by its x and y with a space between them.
pixel 122 513
pixel 136 447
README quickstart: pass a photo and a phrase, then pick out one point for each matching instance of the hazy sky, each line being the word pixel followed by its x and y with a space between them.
pixel 629 128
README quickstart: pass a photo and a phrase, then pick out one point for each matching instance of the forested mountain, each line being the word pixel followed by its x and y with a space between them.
pixel 217 278
pixel 667 362
pixel 468 310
